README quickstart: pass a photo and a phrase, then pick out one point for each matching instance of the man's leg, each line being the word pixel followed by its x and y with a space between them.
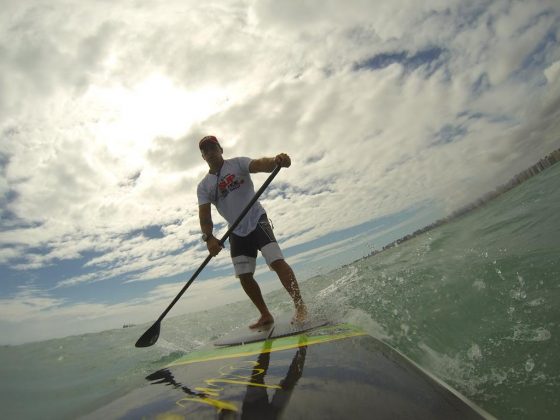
pixel 243 254
pixel 251 287
pixel 288 280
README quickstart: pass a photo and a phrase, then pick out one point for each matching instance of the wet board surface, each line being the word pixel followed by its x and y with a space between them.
pixel 330 372
pixel 282 327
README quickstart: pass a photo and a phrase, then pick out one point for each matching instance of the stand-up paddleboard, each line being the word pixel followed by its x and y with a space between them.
pixel 334 371
pixel 282 327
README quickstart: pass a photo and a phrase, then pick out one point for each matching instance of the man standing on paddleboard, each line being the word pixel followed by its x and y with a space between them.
pixel 229 187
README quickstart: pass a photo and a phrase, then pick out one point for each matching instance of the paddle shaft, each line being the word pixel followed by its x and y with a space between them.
pixel 222 240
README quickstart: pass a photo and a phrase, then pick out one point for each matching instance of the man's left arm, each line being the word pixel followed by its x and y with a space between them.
pixel 267 164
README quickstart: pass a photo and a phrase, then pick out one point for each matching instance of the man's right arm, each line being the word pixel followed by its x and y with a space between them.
pixel 205 217
pixel 207 227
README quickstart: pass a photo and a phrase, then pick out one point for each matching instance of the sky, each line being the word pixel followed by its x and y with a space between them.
pixel 395 113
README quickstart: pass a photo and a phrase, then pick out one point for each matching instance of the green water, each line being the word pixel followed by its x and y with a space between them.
pixel 476 302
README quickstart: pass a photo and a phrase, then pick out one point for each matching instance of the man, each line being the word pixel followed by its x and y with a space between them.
pixel 229 187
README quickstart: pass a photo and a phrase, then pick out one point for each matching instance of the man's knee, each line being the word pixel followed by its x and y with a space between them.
pixel 245 278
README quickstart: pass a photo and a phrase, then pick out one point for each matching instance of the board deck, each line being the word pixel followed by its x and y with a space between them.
pixel 335 371
pixel 283 327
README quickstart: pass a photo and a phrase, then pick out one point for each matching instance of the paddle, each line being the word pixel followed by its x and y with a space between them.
pixel 150 337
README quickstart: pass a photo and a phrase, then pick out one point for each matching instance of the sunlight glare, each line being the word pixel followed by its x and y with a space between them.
pixel 132 117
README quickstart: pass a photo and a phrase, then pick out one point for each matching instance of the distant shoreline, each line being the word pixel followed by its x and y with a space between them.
pixel 544 163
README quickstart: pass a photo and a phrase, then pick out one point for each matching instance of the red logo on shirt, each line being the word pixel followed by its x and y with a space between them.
pixel 228 184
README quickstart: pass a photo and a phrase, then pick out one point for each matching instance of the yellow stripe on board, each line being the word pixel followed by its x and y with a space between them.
pixel 272 345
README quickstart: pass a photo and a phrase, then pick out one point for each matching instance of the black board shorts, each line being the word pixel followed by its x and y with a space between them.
pixel 243 249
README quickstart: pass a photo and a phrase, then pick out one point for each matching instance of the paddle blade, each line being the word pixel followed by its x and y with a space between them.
pixel 150 337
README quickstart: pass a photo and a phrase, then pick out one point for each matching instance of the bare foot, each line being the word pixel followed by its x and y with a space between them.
pixel 263 321
pixel 300 316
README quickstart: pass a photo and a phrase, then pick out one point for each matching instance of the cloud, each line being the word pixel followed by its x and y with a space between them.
pixel 552 73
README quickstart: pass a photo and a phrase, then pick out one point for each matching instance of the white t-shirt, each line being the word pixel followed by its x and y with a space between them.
pixel 231 193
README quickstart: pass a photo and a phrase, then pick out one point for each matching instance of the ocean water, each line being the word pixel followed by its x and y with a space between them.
pixel 476 302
